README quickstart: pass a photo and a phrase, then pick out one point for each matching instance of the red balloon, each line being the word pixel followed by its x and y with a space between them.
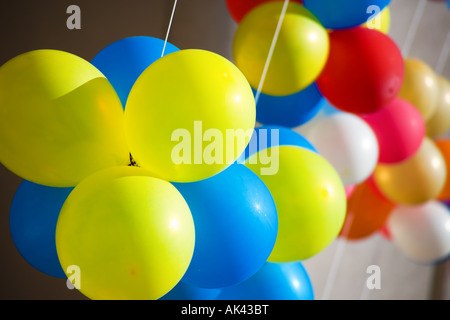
pixel 364 71
pixel 399 128
pixel 239 8
pixel 384 231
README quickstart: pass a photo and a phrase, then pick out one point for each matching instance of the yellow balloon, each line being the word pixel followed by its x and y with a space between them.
pixel 310 200
pixel 60 119
pixel 131 235
pixel 381 22
pixel 300 53
pixel 420 87
pixel 439 123
pixel 189 116
pixel 416 180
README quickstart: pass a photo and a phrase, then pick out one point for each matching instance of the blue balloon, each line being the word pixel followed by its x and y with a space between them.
pixel 289 111
pixel 236 226
pixel 343 14
pixel 184 291
pixel 272 136
pixel 274 281
pixel 32 221
pixel 123 61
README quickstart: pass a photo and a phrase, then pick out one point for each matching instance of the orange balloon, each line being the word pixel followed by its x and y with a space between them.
pixel 444 147
pixel 367 211
pixel 416 180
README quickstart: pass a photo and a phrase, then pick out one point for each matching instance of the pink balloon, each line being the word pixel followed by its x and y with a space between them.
pixel 349 190
pixel 400 130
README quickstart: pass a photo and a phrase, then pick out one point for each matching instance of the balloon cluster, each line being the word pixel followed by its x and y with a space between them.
pixel 145 170
pixel 138 227
pixel 338 78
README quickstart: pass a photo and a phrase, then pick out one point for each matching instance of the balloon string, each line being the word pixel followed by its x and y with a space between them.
pixel 170 26
pixel 337 258
pixel 418 14
pixel 271 50
pixel 443 57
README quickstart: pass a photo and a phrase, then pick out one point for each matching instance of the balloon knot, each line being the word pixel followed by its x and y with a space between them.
pixel 132 162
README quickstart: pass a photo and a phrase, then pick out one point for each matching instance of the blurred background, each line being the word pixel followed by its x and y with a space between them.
pixel 206 24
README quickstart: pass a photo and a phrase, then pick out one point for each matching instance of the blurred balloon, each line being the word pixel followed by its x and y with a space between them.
pixel 345 13
pixel 185 291
pixel 61 119
pixel 349 191
pixel 364 71
pixel 421 233
pixel 439 122
pixel 131 235
pixel 420 87
pixel 381 21
pixel 328 109
pixel 368 210
pixel 123 61
pixel 266 137
pixel 194 96
pixel 238 8
pixel 348 143
pixel 235 227
pixel 32 222
pixel 399 128
pixel 310 201
pixel 416 180
pixel 384 231
pixel 299 55
pixel 289 111
pixel 444 148
pixel 274 281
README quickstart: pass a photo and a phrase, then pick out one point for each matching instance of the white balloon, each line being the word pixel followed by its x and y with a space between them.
pixel 348 143
pixel 421 233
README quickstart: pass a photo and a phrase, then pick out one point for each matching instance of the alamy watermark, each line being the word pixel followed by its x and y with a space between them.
pixel 74 277
pixel 374 280
pixel 74 20
pixel 223 148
